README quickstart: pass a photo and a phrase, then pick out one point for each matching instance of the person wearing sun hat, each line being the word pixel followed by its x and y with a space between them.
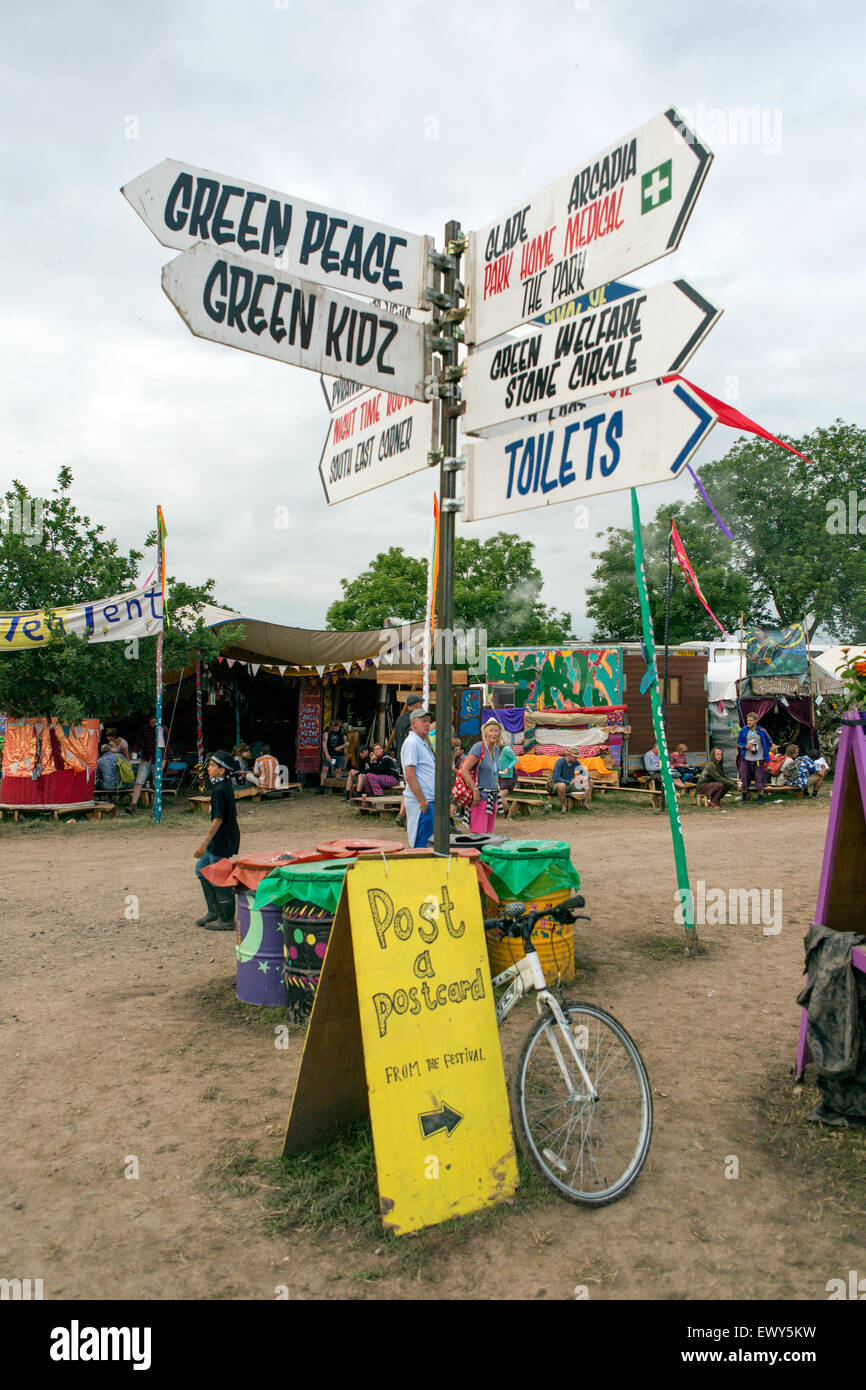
pixel 220 842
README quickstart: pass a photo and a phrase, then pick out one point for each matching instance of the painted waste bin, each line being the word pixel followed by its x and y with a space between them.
pixel 259 952
pixel 540 874
pixel 306 895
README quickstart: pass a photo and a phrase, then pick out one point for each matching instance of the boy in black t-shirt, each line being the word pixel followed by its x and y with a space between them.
pixel 221 841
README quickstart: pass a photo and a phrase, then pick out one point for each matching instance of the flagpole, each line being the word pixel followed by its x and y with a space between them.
pixel 740 681
pixel 809 672
pixel 682 872
pixel 199 732
pixel 157 772
pixel 667 626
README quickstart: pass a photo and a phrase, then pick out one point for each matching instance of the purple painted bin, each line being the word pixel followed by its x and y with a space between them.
pixel 260 952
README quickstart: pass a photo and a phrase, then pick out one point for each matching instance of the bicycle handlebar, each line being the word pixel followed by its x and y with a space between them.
pixel 516 916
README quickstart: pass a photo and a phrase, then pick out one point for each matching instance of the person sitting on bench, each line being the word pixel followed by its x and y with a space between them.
pixel 360 772
pixel 265 770
pixel 383 775
pixel 570 775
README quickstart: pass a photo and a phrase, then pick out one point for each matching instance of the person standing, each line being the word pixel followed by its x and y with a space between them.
pixel 147 740
pixel 222 840
pixel 480 771
pixel 713 781
pixel 753 749
pixel 400 731
pixel 419 769
pixel 333 754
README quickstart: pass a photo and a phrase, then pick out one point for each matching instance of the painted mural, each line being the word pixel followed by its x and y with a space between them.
pixel 571 678
pixel 470 717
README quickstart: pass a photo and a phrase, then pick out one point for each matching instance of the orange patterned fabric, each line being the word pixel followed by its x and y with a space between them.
pixel 19 750
pixel 80 747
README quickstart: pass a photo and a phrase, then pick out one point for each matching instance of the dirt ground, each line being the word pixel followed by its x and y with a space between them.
pixel 113 1047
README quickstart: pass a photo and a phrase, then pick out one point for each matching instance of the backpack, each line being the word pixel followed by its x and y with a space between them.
pixel 125 770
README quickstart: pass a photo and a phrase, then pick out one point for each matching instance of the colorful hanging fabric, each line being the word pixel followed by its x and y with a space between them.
pixel 691 577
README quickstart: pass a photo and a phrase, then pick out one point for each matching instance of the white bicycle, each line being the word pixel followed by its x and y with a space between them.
pixel 580 1091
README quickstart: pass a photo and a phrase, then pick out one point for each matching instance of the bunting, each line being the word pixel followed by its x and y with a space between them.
pixel 735 419
pixel 691 578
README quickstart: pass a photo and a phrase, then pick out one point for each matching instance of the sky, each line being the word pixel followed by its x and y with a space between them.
pixel 409 114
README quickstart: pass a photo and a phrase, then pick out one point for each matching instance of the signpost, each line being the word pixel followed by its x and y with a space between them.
pixel 620 210
pixel 236 302
pixel 404 1024
pixel 183 205
pixel 649 334
pixel 612 444
pixel 373 439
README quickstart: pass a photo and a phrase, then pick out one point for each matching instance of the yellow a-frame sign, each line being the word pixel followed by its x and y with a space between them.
pixel 404 1024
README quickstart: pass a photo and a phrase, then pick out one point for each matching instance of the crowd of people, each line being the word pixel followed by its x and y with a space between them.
pixel 760 765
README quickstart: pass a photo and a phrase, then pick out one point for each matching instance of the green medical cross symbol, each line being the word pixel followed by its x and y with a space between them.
pixel 656 187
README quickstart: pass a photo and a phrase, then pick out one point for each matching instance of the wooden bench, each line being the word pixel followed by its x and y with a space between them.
pixel 93 811
pixel 202 803
pixel 377 805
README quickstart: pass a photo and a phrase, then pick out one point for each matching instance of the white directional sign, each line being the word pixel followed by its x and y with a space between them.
pixel 622 209
pixel 648 334
pixel 183 205
pixel 612 444
pixel 374 439
pixel 244 304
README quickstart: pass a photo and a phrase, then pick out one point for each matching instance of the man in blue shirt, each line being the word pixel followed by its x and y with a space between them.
pixel 753 750
pixel 570 775
pixel 107 771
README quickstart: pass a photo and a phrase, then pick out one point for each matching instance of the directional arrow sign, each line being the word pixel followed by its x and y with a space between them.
pixel 241 304
pixel 622 209
pixel 374 439
pixel 183 205
pixel 432 1121
pixel 612 444
pixel 644 336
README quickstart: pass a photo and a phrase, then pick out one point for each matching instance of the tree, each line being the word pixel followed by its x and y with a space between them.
pixel 65 559
pixel 497 587
pixel 794 554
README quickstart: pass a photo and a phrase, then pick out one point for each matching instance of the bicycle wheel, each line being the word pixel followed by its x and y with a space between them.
pixel 589 1151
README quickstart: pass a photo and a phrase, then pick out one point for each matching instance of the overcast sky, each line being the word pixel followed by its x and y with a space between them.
pixel 409 114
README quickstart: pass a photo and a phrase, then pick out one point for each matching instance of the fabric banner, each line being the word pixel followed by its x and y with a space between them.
pixel 510 719
pixel 309 739
pixel 691 577
pixel 137 614
pixel 776 651
pixel 570 738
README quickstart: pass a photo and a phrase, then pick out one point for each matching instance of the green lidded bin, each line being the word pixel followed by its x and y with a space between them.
pixel 540 874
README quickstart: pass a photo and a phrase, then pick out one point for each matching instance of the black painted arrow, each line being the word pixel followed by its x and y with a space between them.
pixel 443 1118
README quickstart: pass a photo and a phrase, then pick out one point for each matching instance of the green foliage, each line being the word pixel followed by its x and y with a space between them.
pixel 497 586
pixel 72 562
pixel 785 562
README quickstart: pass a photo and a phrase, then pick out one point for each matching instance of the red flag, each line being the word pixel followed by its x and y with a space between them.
pixel 735 418
pixel 691 578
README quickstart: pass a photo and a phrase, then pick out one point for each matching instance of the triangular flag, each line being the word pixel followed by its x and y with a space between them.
pixel 282 670
pixel 254 666
pixel 220 658
pixel 230 661
pixel 374 659
pixel 321 670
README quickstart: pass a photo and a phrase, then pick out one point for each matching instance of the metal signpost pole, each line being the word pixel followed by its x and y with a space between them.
pixel 447 336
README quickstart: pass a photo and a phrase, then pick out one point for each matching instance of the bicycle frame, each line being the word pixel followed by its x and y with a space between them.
pixel 528 973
